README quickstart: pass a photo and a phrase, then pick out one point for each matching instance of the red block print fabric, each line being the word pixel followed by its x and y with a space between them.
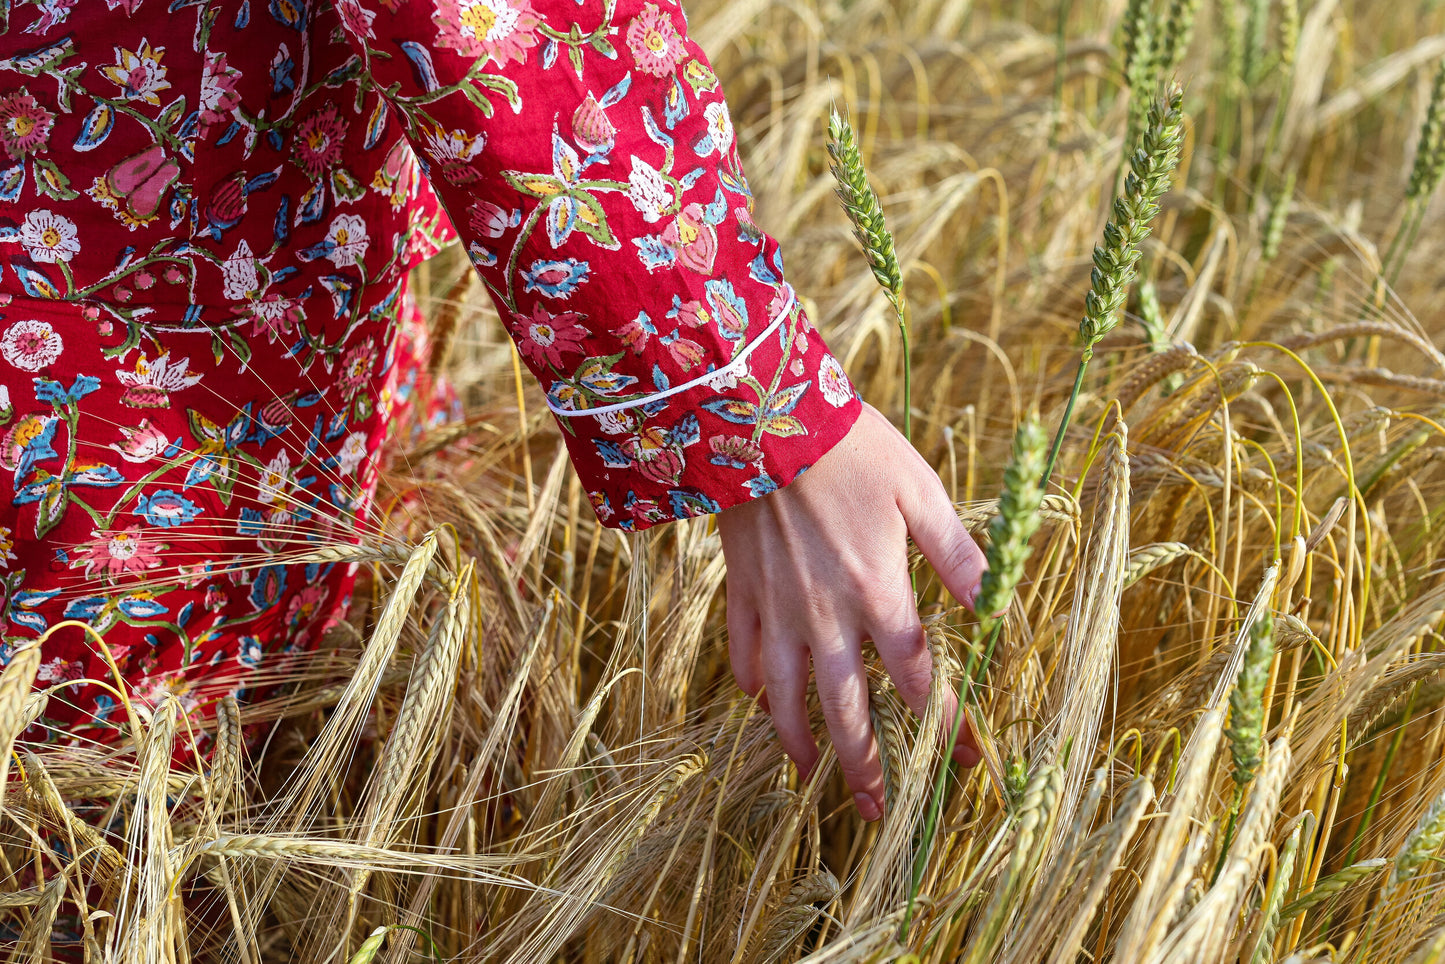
pixel 207 212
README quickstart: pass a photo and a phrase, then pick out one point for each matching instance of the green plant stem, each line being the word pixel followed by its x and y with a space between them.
pixel 935 804
pixel 1084 357
pixel 1379 787
pixel 900 308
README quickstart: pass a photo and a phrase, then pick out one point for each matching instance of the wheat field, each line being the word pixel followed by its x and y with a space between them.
pixel 1211 712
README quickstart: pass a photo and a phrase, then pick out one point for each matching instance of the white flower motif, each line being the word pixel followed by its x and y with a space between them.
pixel 49 237
pixel 353 451
pixel 615 423
pixel 348 239
pixel 456 146
pixel 276 479
pixel 150 385
pixel 720 126
pixel 648 191
pixel 722 380
pixel 31 345
pixel 834 382
pixel 242 279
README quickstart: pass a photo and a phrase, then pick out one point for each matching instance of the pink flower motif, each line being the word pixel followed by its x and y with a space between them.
pixel 734 450
pixel 305 605
pixel 545 337
pixel 141 443
pixel 357 18
pixel 274 316
pixel 318 141
pixel 591 128
pixel 491 220
pixel 31 345
pixel 834 382
pixel 218 91
pixel 694 240
pixel 693 313
pixel 634 335
pixel 499 29
pixel 398 176
pixel 58 670
pixel 117 551
pixel 685 352
pixel 655 43
pixel 152 382
pixel 28 430
pixel 356 369
pixel 453 152
pixel 24 125
pixel 655 458
pixel 53 13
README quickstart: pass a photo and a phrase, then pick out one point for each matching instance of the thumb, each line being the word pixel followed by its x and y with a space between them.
pixel 940 536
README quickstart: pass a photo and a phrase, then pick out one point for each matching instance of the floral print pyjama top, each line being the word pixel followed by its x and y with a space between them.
pixel 208 209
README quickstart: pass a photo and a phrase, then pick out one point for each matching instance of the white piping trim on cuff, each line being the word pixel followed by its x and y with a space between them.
pixel 734 367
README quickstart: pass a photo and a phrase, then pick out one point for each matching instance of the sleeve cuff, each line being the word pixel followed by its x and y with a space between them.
pixel 738 433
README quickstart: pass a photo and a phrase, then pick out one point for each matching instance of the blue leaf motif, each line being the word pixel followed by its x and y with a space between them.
pixel 421 64
pixel 375 125
pixel 653 131
pixel 86 608
pixel 35 283
pixel 715 212
pixel 100 476
pixel 611 454
pixel 140 607
pixel 674 108
pixel 95 127
pixel 733 410
pixel 687 503
pixel 262 181
pixel 654 252
pixel 287 13
pixel 686 432
pixel 12 180
pixel 616 92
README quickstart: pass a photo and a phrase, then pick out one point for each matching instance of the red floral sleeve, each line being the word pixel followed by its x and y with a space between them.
pixel 586 157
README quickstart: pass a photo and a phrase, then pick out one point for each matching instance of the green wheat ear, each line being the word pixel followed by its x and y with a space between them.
pixel 1430 153
pixel 1246 701
pixel 1116 261
pixel 860 202
pixel 1017 521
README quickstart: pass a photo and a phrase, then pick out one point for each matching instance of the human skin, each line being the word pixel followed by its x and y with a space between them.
pixel 819 566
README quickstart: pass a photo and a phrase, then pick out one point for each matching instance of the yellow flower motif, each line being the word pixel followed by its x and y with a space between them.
pixel 139 73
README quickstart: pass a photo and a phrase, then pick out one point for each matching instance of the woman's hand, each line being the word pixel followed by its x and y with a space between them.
pixel 821 564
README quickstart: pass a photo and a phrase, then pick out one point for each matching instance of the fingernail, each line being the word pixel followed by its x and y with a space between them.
pixel 867 807
pixel 973 596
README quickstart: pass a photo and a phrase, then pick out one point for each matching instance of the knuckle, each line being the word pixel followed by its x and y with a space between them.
pixel 843 703
pixel 914 679
pixel 960 554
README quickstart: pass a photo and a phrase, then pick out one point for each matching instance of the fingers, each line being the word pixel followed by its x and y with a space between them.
pixel 898 637
pixel 745 644
pixel 941 537
pixel 785 670
pixel 843 695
